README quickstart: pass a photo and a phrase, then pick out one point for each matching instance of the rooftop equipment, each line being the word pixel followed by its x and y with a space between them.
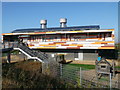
pixel 63 22
pixel 43 24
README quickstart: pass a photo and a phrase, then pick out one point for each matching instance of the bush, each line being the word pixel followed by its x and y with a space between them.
pixel 20 76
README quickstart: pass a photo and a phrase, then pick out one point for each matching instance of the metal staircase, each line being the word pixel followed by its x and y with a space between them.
pixel 32 54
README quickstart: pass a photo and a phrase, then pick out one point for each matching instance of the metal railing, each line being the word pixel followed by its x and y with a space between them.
pixel 33 53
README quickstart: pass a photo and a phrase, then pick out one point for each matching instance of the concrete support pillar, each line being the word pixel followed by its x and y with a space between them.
pixel 4 45
pixel 23 56
pixel 9 56
pixel 80 56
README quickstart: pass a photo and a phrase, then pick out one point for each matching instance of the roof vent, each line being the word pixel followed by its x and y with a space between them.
pixel 43 24
pixel 63 22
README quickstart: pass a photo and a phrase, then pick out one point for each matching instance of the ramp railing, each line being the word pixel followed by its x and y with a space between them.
pixel 32 53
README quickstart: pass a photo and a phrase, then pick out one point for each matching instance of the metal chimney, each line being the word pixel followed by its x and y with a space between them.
pixel 43 24
pixel 63 22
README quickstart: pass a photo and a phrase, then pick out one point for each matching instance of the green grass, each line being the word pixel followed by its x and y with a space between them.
pixel 15 52
pixel 104 79
pixel 84 66
pixel 117 67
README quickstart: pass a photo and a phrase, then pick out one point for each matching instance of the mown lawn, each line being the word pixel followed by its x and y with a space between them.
pixel 117 67
pixel 84 66
pixel 87 66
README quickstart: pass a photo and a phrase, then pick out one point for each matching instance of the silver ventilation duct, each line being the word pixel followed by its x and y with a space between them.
pixel 63 22
pixel 43 24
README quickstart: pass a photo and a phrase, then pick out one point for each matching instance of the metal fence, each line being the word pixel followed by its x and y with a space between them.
pixel 86 78
pixel 80 77
pixel 70 74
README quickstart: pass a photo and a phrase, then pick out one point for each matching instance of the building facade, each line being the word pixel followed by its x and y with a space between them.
pixel 77 43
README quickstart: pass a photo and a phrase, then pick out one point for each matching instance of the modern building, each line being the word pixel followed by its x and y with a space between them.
pixel 77 42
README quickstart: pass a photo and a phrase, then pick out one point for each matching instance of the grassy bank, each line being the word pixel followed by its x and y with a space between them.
pixel 28 74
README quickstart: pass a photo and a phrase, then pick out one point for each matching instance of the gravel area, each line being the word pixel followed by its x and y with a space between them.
pixel 90 75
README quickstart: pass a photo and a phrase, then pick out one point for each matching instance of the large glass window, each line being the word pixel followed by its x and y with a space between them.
pixel 70 37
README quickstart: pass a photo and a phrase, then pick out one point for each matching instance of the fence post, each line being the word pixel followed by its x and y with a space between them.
pixel 110 81
pixel 80 77
pixel 43 68
pixel 113 63
pixel 60 70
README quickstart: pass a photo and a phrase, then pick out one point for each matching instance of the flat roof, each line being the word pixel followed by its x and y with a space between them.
pixel 60 32
pixel 74 28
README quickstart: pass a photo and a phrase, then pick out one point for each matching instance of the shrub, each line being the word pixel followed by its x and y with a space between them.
pixel 24 77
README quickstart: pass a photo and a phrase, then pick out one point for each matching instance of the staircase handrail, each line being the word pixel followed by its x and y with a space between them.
pixel 32 52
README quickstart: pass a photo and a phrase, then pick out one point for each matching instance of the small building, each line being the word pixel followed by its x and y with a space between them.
pixel 103 67
pixel 76 42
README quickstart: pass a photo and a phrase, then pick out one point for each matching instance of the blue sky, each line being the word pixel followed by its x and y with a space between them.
pixel 28 15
